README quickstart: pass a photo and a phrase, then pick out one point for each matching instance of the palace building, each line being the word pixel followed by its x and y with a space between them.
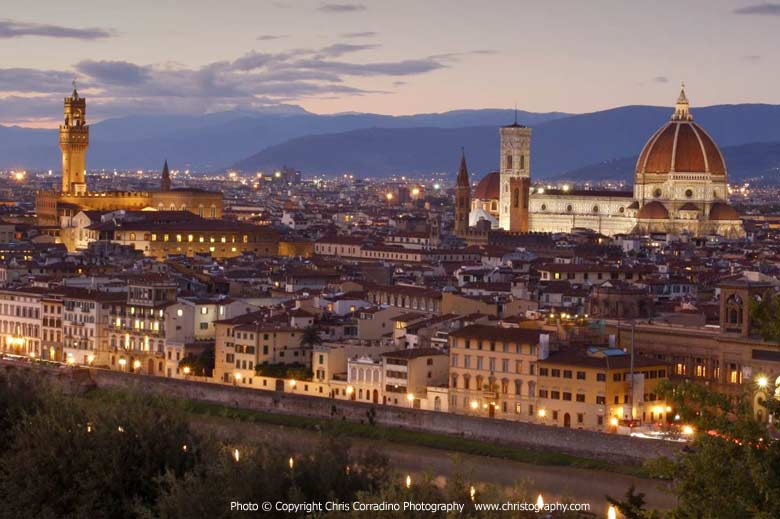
pixel 55 208
pixel 680 186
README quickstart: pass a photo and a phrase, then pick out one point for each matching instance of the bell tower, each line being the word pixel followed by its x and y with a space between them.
pixel 74 139
pixel 462 198
pixel 515 175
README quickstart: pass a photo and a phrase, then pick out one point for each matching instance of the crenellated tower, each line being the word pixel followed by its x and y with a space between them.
pixel 74 140
pixel 462 198
pixel 515 172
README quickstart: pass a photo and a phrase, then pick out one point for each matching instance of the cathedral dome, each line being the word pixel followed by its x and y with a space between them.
pixel 489 187
pixel 653 211
pixel 723 211
pixel 682 146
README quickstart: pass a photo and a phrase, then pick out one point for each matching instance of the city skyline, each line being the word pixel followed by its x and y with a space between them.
pixel 371 57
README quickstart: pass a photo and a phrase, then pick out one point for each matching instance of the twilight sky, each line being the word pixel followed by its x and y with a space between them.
pixel 387 56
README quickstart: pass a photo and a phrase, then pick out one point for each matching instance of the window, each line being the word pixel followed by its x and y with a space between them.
pixel 580 397
pixel 580 418
pixel 555 395
pixel 601 377
pixel 556 373
pixel 567 373
pixel 580 375
pixel 617 377
pixel 543 372
pixel 543 393
pixel 508 161
pixel 567 396
pixel 601 400
pixel 204 310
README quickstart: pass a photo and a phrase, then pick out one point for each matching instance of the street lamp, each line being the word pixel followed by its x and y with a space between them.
pixel 122 363
pixel 410 398
pixel 762 382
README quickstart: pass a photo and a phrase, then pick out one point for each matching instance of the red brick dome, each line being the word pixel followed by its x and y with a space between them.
pixel 653 211
pixel 723 211
pixel 682 146
pixel 489 187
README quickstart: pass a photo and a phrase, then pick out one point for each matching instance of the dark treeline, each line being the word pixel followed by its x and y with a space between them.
pixel 122 455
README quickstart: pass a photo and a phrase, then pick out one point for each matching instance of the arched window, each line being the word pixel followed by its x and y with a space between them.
pixel 595 209
pixel 516 197
pixel 518 387
pixel 508 161
pixel 522 161
pixel 454 380
pixel 569 208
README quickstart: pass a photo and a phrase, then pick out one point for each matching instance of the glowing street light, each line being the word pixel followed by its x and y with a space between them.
pixel 291 462
pixel 122 362
pixel 611 513
pixel 474 405
pixel 186 370
pixel 687 430
pixel 389 196
pixel 236 455
pixel 90 358
pixel 136 364
pixel 542 413
pixel 613 421
pixel 472 492
pixel 762 382
pixel 539 502
pixel 408 481
pixel 293 383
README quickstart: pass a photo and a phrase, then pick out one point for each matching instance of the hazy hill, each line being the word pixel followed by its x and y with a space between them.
pixel 215 141
pixel 559 146
pixel 757 160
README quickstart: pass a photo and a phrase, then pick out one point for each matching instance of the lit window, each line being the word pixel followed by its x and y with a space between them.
pixel 190 237
pixel 179 312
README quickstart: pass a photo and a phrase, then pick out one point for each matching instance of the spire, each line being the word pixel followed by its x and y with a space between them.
pixel 682 109
pixel 463 172
pixel 165 182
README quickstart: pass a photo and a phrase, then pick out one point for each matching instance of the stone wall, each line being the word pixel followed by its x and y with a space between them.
pixel 573 441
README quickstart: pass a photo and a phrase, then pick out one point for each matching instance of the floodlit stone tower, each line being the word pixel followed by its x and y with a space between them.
pixel 74 140
pixel 515 174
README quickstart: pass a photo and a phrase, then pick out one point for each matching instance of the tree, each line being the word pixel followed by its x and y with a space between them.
pixel 633 507
pixel 765 314
pixel 310 336
pixel 732 467
pixel 201 364
pixel 85 458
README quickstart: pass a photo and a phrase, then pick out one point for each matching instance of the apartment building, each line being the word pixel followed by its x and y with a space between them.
pixel 600 389
pixel 493 370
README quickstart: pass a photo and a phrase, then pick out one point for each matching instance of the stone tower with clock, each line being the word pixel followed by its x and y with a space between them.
pixel 515 176
pixel 74 139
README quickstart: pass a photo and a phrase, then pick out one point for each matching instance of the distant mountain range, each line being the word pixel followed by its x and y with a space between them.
pixel 558 146
pixel 594 145
pixel 215 141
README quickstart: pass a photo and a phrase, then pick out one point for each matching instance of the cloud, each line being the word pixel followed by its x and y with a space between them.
pixel 28 80
pixel 341 8
pixel 114 72
pixel 660 79
pixel 339 49
pixel 764 9
pixel 14 29
pixel 365 34
pixel 255 79
pixel 270 37
pixel 752 58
